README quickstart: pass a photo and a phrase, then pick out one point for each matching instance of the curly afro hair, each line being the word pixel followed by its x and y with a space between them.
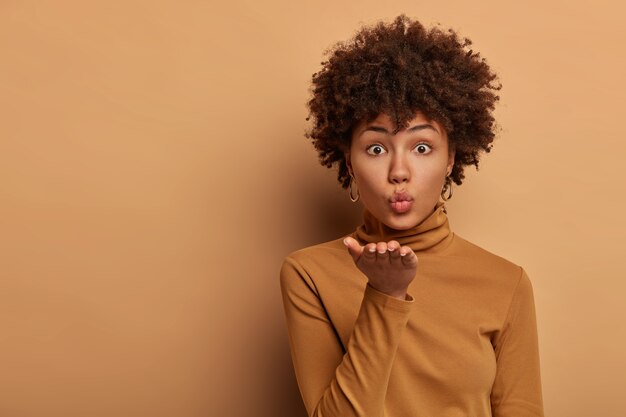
pixel 398 69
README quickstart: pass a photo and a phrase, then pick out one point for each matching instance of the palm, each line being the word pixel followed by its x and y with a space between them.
pixel 389 267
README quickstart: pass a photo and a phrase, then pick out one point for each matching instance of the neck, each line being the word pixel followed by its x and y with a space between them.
pixel 431 235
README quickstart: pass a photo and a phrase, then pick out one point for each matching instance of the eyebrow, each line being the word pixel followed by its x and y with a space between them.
pixel 411 129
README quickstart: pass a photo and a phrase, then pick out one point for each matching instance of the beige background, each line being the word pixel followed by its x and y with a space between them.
pixel 154 173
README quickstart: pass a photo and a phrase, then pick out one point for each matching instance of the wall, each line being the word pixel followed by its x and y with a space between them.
pixel 154 173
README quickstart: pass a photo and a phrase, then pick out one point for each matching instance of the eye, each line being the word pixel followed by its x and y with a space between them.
pixel 375 149
pixel 423 148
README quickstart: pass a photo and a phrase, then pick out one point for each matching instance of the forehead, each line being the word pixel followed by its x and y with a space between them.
pixel 385 121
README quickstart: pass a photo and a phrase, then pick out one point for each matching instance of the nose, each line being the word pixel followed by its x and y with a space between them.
pixel 399 169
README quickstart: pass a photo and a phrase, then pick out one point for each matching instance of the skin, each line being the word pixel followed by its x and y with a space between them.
pixel 415 161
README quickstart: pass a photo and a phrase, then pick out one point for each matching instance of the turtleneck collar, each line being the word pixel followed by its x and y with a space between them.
pixel 431 235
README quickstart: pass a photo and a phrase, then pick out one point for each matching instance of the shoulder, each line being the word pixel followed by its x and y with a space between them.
pixel 465 249
pixel 317 262
pixel 475 257
pixel 320 253
pixel 327 265
pixel 504 282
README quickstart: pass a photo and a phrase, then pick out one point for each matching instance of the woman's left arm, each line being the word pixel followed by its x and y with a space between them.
pixel 516 391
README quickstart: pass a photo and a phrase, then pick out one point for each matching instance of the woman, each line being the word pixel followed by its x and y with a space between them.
pixel 403 317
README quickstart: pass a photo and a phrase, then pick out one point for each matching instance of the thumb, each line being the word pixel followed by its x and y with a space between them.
pixel 354 248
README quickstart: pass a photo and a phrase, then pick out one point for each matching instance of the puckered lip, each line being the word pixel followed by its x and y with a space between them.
pixel 401 196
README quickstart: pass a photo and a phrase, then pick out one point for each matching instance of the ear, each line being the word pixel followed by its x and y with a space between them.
pixel 348 162
pixel 451 156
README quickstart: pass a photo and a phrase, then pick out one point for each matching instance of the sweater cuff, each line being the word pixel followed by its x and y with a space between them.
pixel 389 301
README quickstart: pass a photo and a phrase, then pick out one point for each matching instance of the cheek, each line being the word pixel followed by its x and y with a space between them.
pixel 368 170
pixel 431 173
pixel 368 182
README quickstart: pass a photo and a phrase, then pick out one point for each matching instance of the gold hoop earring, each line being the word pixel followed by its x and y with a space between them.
pixel 354 200
pixel 447 187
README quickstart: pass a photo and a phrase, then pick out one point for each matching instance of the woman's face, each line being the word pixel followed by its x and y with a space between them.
pixel 409 166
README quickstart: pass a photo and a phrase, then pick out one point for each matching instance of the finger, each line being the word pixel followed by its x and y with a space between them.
pixel 408 256
pixel 381 252
pixel 354 248
pixel 381 247
pixel 369 251
pixel 393 247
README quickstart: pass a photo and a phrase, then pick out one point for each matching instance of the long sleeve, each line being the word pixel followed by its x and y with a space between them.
pixel 517 387
pixel 333 383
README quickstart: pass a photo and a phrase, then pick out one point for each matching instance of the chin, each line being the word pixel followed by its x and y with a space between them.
pixel 402 221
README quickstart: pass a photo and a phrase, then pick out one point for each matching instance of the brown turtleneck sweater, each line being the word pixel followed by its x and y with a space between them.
pixel 463 343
